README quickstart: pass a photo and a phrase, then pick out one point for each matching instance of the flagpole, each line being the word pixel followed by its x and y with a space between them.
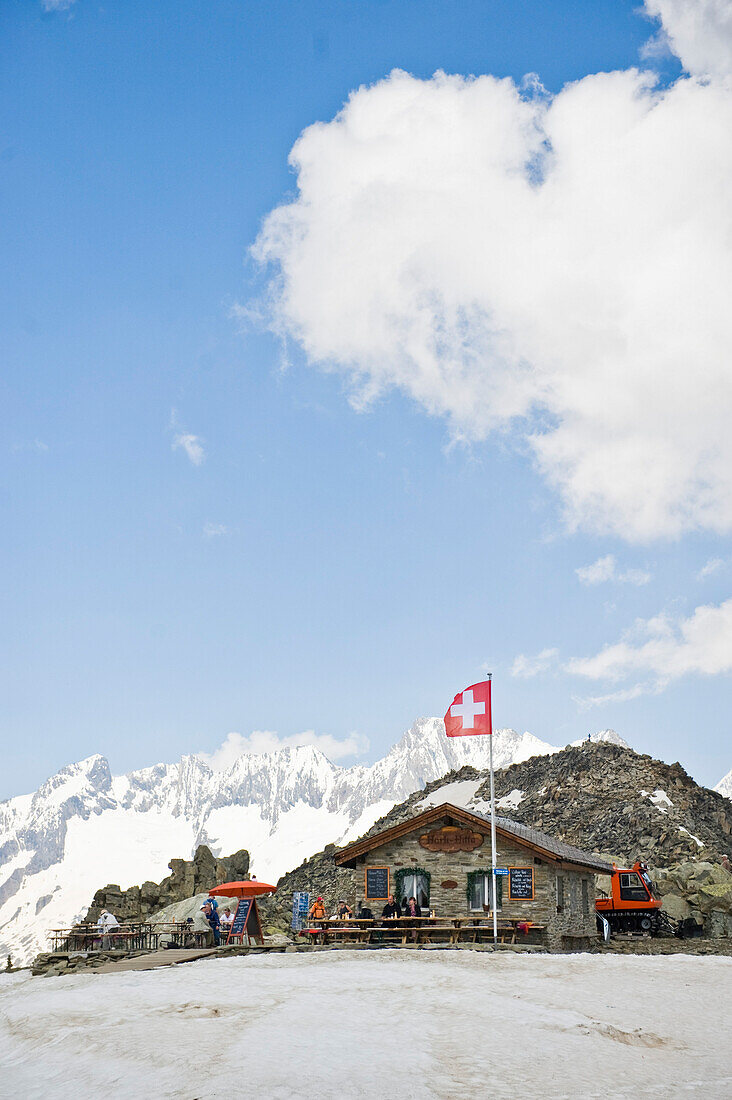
pixel 494 896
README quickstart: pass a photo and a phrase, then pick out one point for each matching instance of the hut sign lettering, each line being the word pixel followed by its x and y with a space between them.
pixel 451 838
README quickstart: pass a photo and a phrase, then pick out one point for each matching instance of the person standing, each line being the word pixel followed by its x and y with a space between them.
pixel 105 925
pixel 317 910
pixel 211 914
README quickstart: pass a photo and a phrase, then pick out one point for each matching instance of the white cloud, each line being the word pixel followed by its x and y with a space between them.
pixel 601 570
pixel 699 32
pixel 525 667
pixel 606 569
pixel 709 567
pixel 214 530
pixel 660 650
pixel 192 445
pixel 262 741
pixel 554 266
pixel 57 5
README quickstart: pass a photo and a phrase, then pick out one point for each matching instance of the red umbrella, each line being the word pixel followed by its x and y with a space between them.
pixel 250 888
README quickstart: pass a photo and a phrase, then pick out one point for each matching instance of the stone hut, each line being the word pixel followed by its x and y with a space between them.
pixel 442 857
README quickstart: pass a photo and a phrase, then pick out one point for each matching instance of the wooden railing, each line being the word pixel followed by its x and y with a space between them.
pixel 132 936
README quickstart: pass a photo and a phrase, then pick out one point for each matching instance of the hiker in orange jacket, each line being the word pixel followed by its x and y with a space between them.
pixel 317 910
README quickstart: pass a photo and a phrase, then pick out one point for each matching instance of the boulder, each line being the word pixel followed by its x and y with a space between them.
pixel 715 896
pixel 676 907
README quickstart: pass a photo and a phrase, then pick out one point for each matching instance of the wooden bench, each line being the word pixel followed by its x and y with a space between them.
pixel 425 934
pixel 347 932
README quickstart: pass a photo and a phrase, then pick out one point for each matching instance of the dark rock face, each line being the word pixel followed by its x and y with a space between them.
pixel 604 798
pixel 188 877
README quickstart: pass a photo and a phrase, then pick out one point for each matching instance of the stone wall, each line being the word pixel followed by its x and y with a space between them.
pixel 576 918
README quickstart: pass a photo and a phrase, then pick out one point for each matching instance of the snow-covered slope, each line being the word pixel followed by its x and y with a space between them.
pixel 608 737
pixel 725 785
pixel 84 828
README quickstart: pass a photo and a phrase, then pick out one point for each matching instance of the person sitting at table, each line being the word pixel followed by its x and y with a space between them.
pixel 317 910
pixel 343 912
pixel 226 919
pixel 364 913
pixel 391 909
pixel 411 909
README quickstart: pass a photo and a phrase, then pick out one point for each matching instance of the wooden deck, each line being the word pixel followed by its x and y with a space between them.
pixel 155 959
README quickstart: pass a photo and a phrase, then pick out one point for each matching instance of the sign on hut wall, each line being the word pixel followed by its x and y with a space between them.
pixel 376 885
pixel 451 838
pixel 521 883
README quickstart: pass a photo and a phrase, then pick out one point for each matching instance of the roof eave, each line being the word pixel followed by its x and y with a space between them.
pixel 348 855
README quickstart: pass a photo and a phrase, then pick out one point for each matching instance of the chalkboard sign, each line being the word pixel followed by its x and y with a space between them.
pixel 377 883
pixel 246 922
pixel 521 883
pixel 239 922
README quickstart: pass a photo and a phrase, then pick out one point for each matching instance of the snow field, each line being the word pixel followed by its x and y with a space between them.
pixel 413 1024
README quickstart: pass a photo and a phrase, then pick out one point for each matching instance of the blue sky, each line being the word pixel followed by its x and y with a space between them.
pixel 203 531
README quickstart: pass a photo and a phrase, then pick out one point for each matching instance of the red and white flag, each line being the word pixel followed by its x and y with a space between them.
pixel 470 712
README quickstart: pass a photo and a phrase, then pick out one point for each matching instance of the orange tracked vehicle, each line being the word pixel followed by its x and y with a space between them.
pixel 631 905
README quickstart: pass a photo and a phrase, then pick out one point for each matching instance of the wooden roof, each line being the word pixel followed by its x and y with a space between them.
pixel 543 845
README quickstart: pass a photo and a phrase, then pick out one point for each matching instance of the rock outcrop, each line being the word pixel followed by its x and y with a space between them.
pixel 188 877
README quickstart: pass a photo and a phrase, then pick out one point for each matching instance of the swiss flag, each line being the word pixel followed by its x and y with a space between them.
pixel 470 712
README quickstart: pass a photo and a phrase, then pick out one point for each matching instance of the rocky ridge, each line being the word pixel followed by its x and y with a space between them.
pixel 601 797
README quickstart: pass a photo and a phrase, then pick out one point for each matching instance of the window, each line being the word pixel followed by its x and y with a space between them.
pixel 585 898
pixel 480 891
pixel 631 887
pixel 414 884
pixel 560 893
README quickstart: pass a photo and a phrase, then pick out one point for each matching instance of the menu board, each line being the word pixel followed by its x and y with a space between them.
pixel 377 883
pixel 240 917
pixel 521 883
pixel 246 922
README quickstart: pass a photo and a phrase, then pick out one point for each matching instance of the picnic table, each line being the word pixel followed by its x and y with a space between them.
pixel 183 934
pixel 418 929
pixel 137 936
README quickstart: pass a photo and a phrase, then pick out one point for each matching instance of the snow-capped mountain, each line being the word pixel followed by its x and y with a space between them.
pixel 725 785
pixel 84 827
